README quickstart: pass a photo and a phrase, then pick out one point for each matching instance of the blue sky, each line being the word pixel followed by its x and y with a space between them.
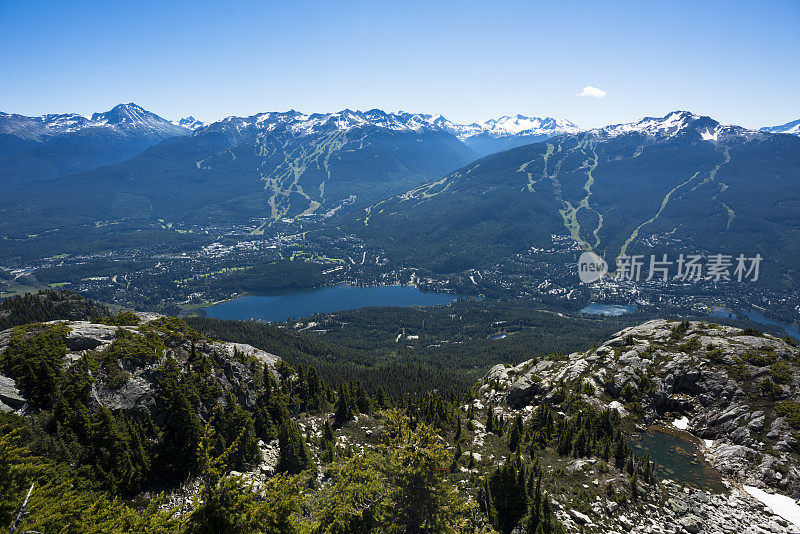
pixel 735 61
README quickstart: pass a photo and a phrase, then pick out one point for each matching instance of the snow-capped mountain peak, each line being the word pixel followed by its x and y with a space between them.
pixel 123 118
pixel 189 123
pixel 122 113
pixel 130 117
pixel 519 125
pixel 672 124
pixel 65 122
pixel 42 127
pixel 788 128
pixel 302 124
pixel 347 119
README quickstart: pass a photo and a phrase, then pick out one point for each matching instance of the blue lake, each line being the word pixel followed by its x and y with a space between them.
pixel 720 312
pixel 607 309
pixel 298 304
pixel 759 318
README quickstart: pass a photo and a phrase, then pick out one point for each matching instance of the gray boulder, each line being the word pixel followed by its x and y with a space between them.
pixel 522 391
pixel 9 394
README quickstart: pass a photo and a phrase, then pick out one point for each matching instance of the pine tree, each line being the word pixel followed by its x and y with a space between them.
pixel 317 398
pixel 181 430
pixel 515 435
pixel 422 499
pixel 487 502
pixel 548 520
pixel 227 504
pixel 362 401
pixel 380 399
pixel 294 456
pixel 620 450
pixel 648 469
pixel 328 442
pixel 509 496
pixel 535 513
pixel 344 405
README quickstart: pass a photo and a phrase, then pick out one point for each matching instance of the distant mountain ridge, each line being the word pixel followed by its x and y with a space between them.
pixel 82 143
pixel 124 118
pixel 401 121
pixel 274 166
pixel 485 137
pixel 792 127
pixel 496 135
pixel 673 124
pixel 55 145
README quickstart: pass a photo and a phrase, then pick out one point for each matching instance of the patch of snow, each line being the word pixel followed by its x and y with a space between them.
pixel 616 405
pixel 781 505
pixel 682 423
pixel 708 443
pixel 788 128
pixel 708 135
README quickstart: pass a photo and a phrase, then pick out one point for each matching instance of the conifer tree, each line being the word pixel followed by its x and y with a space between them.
pixel 344 405
pixel 514 436
pixel 535 513
pixel 294 456
pixel 380 399
pixel 509 496
pixel 362 401
pixel 328 442
pixel 227 504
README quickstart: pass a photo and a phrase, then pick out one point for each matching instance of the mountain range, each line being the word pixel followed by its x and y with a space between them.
pixel 419 176
pixel 677 182
pixel 51 146
pixel 275 165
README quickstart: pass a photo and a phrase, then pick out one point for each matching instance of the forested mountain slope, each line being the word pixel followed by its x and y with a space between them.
pixel 243 442
pixel 269 166
pixel 676 183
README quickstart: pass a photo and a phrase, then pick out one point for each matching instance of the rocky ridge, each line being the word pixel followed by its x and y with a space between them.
pixel 732 391
pixel 135 392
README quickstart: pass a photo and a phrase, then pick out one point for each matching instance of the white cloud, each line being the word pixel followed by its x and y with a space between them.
pixel 592 92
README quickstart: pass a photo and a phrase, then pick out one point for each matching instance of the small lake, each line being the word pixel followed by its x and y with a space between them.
pixel 290 305
pixel 720 312
pixel 760 318
pixel 607 309
pixel 678 459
